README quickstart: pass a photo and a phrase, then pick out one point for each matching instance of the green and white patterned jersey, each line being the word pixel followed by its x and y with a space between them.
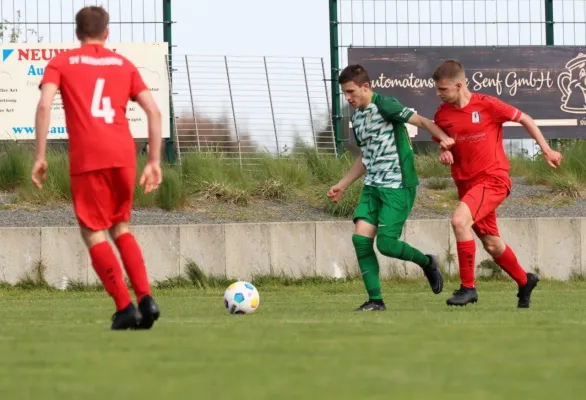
pixel 387 153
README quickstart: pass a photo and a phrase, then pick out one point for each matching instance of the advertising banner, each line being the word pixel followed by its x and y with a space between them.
pixel 21 71
pixel 546 82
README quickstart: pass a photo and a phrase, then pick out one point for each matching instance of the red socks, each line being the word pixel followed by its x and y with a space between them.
pixel 134 264
pixel 466 255
pixel 508 262
pixel 108 270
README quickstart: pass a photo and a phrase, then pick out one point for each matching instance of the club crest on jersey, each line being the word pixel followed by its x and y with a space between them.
pixel 475 117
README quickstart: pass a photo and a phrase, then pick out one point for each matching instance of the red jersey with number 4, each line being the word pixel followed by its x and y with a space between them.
pixel 95 85
pixel 478 131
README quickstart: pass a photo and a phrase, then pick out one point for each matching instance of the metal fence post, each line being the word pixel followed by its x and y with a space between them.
pixel 233 112
pixel 192 102
pixel 272 108
pixel 169 146
pixel 335 70
pixel 549 41
pixel 309 103
pixel 323 69
pixel 173 134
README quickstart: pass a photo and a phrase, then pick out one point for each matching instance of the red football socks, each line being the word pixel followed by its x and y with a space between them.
pixel 466 254
pixel 508 262
pixel 134 264
pixel 108 270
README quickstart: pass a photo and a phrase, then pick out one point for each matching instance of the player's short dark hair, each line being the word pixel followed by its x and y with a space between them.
pixel 91 22
pixel 354 73
pixel 449 69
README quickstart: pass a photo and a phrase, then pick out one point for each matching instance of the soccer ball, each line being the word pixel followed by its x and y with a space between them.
pixel 241 298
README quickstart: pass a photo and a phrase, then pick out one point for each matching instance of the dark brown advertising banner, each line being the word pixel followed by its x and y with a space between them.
pixel 545 82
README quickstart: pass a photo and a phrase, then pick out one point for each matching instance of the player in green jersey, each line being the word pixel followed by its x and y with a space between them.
pixel 390 184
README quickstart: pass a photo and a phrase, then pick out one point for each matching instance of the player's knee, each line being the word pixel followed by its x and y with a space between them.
pixel 119 229
pixel 460 221
pixel 490 248
pixel 389 246
pixel 493 245
pixel 92 238
pixel 364 228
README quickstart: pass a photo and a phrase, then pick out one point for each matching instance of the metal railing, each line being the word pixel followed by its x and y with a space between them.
pixel 248 106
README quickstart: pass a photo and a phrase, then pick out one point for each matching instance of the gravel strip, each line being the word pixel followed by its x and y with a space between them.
pixel 525 202
pixel 63 215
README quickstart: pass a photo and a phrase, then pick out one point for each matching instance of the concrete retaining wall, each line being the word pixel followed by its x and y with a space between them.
pixel 556 247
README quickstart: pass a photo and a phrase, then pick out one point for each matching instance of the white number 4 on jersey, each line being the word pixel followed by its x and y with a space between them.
pixel 102 106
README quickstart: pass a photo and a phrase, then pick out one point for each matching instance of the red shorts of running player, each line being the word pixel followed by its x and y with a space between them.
pixel 103 198
pixel 483 196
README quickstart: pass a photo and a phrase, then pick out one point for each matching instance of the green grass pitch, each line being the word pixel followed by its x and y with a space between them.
pixel 303 341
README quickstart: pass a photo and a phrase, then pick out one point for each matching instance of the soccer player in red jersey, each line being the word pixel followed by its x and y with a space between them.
pixel 480 169
pixel 95 85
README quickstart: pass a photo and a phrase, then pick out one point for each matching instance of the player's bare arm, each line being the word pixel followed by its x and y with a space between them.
pixel 356 171
pixel 421 122
pixel 446 157
pixel 553 158
pixel 151 176
pixel 42 122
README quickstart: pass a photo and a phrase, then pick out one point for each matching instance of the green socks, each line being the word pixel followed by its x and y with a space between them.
pixel 397 249
pixel 390 247
pixel 368 263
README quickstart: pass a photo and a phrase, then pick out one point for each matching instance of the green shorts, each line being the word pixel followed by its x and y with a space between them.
pixel 386 208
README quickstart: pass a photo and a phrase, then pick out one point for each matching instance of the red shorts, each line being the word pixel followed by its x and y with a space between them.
pixel 103 198
pixel 483 196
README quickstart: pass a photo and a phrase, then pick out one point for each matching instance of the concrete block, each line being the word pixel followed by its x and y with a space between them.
pixel 247 250
pixel 205 245
pixel 20 252
pixel 554 246
pixel 559 247
pixel 334 251
pixel 160 248
pixel 293 248
pixel 430 237
pixel 65 255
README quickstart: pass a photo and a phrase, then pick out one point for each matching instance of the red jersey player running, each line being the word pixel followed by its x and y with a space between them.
pixel 480 170
pixel 95 85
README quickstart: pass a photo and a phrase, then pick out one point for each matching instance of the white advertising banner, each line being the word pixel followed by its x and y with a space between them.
pixel 21 71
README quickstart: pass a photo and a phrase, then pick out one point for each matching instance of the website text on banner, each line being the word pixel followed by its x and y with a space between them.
pixel 21 71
